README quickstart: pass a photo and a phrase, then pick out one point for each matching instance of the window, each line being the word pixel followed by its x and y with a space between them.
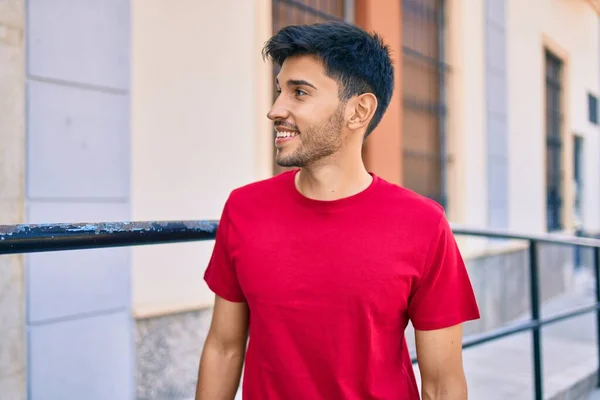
pixel 293 12
pixel 424 104
pixel 578 167
pixel 593 108
pixel 578 173
pixel 553 142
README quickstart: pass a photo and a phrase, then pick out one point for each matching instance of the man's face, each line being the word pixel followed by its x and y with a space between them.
pixel 308 115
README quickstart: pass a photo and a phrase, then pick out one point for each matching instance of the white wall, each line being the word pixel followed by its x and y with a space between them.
pixel 584 73
pixel 570 29
pixel 197 70
pixel 466 119
pixel 466 115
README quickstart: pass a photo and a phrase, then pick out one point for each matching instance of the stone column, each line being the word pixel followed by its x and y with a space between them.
pixel 12 165
pixel 79 323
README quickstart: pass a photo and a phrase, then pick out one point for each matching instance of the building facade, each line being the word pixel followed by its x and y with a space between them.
pixel 154 110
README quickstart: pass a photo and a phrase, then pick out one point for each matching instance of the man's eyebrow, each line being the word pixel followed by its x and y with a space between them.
pixel 300 82
pixel 297 82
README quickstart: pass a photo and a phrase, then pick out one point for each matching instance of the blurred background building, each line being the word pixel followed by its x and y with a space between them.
pixel 154 110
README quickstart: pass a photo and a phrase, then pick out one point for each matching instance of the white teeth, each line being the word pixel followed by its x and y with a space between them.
pixel 286 134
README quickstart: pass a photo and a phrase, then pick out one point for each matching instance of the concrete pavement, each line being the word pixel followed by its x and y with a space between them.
pixel 502 369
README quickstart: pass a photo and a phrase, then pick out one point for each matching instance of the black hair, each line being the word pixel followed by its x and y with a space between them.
pixel 359 61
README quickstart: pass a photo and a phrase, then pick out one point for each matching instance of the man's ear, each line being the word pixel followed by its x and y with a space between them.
pixel 361 110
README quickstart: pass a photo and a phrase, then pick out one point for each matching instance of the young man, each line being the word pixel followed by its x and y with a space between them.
pixel 325 265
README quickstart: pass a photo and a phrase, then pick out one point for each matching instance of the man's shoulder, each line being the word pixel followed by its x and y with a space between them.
pixel 412 205
pixel 260 190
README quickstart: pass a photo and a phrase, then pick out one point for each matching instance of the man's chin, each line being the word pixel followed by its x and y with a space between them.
pixel 282 159
pixel 286 163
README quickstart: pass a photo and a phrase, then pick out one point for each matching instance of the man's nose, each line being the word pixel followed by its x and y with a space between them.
pixel 278 111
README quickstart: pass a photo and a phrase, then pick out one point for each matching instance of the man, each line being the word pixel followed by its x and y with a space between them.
pixel 325 264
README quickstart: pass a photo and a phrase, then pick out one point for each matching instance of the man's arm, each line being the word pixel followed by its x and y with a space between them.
pixel 224 351
pixel 439 354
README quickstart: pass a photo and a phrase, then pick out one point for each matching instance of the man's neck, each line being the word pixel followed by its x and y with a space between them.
pixel 332 182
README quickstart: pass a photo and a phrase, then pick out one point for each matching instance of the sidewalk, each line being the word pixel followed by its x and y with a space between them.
pixel 502 369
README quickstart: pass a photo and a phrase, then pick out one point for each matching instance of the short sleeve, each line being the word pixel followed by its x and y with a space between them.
pixel 443 296
pixel 220 274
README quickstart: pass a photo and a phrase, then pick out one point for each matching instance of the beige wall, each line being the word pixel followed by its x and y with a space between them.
pixel 200 95
pixel 569 28
pixel 12 172
pixel 467 177
pixel 199 102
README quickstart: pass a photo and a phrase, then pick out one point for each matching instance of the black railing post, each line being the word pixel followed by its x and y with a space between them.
pixel 534 292
pixel 597 276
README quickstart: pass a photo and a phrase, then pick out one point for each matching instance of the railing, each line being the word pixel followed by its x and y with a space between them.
pixel 536 322
pixel 15 239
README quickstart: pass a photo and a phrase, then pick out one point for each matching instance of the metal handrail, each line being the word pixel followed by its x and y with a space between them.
pixel 15 239
pixel 29 238
pixel 550 238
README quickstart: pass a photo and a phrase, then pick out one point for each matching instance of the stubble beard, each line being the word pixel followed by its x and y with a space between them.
pixel 317 143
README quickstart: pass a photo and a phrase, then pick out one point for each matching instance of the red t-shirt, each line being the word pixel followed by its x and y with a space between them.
pixel 331 286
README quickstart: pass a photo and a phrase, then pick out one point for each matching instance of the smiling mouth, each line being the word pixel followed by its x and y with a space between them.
pixel 286 134
pixel 283 137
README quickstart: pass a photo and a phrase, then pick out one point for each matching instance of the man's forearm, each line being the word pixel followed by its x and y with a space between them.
pixel 219 373
pixel 451 389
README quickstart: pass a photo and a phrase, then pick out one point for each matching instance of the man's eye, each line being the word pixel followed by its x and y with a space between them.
pixel 300 92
